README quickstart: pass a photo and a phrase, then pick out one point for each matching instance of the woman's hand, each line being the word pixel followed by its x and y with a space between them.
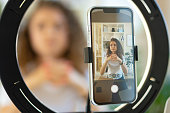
pixel 57 71
pixel 61 72
pixel 109 58
pixel 114 57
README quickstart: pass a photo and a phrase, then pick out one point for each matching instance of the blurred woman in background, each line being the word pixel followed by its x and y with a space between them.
pixel 50 55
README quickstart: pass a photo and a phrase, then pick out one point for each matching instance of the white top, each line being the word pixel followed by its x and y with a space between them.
pixel 114 67
pixel 63 98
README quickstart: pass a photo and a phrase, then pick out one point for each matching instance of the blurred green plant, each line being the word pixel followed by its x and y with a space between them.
pixel 159 104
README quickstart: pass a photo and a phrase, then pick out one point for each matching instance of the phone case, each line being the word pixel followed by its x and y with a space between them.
pixel 112 87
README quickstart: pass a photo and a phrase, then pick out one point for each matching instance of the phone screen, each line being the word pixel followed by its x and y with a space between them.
pixel 113 64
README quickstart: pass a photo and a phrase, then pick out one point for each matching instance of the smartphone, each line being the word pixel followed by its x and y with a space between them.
pixel 112 69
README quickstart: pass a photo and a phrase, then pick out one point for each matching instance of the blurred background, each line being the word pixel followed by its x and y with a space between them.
pixel 159 104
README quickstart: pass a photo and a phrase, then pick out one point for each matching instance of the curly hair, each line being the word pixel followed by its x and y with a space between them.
pixel 119 51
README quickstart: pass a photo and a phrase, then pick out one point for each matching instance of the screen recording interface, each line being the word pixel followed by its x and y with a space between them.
pixel 113 55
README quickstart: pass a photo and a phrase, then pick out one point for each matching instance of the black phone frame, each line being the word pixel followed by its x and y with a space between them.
pixel 22 97
pixel 110 10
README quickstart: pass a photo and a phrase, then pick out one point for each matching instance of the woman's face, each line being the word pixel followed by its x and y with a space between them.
pixel 49 32
pixel 113 46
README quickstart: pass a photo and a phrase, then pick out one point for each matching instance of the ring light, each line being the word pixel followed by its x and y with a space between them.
pixel 24 99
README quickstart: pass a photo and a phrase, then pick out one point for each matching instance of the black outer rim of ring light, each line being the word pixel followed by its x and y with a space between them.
pixel 24 99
